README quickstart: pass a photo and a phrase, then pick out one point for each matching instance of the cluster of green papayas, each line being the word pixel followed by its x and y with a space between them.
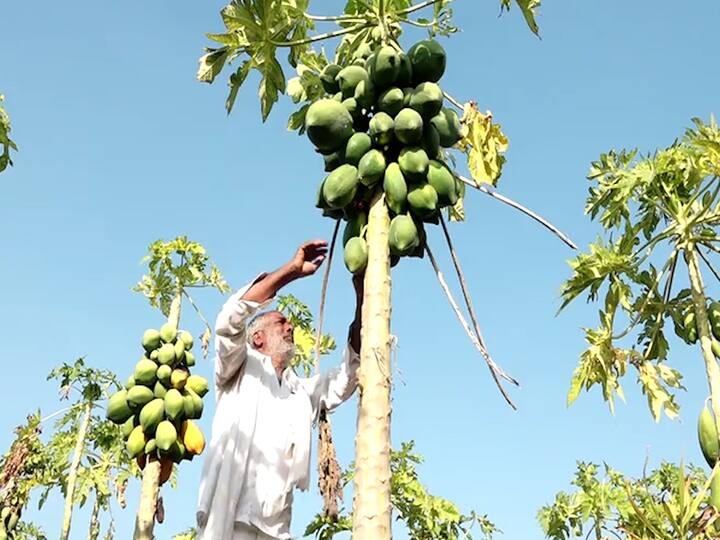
pixel 9 518
pixel 156 407
pixel 382 127
pixel 710 447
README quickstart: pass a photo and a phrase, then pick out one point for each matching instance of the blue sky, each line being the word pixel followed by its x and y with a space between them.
pixel 119 146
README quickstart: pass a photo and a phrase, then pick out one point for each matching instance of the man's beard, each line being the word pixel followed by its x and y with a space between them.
pixel 279 348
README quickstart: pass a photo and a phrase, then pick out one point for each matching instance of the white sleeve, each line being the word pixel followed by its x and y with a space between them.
pixel 231 336
pixel 337 385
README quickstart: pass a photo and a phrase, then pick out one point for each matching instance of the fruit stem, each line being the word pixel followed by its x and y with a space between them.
pixel 703 327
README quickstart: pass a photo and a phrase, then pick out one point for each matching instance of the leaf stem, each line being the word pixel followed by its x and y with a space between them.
pixel 453 101
pixel 197 310
pixel 492 192
pixel 416 7
pixel 708 263
pixel 319 37
pixel 333 18
pixel 323 294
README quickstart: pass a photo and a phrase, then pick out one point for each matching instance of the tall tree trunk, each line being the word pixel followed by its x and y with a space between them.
pixel 94 530
pixel 72 474
pixel 371 504
pixel 145 519
pixel 712 369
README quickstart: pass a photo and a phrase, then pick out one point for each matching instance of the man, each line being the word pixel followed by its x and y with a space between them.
pixel 262 429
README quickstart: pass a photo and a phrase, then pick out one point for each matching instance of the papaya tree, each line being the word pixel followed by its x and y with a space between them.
pixel 158 403
pixel 377 115
pixel 5 141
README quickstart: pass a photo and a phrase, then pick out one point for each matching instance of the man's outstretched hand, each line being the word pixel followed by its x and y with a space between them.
pixel 308 258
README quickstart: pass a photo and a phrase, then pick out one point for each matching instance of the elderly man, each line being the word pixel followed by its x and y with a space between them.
pixel 261 433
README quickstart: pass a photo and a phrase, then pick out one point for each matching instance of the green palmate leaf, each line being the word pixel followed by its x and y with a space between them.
pixel 528 8
pixel 5 141
pixel 655 381
pixel 235 82
pixel 297 119
pixel 211 64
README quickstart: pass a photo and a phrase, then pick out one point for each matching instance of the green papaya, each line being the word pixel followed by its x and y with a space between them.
pixel 159 390
pixel 353 228
pixel 404 77
pixel 154 355
pixel 413 163
pixel 371 167
pixel 176 452
pixel 408 126
pixel 130 382
pixel 136 442
pixel 395 188
pixel 152 414
pixel 165 435
pixel 340 186
pixel 431 141
pixel 365 94
pixel 174 404
pixel 356 255
pixel 150 446
pixel 716 347
pixel 381 128
pixel 189 359
pixel 448 127
pixel 197 404
pixel 5 513
pixel 12 521
pixel 163 374
pixel 443 182
pixel 363 51
pixel 691 333
pixel 353 107
pixel 391 101
pixel 357 146
pixel 188 406
pixel 403 236
pixel 145 371
pixel 118 410
pixel 427 99
pixel 708 436
pixel 387 66
pixel 139 395
pixel 168 333
pixel 179 377
pixel 128 426
pixel 337 97
pixel 407 95
pixel 715 490
pixel 151 339
pixel 179 351
pixel 187 339
pixel 327 78
pixel 166 354
pixel 422 200
pixel 197 384
pixel 328 125
pixel 428 60
pixel 370 65
pixel 349 77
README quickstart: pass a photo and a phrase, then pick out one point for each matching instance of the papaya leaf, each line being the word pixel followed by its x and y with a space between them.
pixel 235 82
pixel 5 140
pixel 484 144
pixel 528 9
pixel 212 63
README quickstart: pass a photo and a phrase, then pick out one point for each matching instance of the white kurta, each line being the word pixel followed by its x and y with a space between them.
pixel 262 430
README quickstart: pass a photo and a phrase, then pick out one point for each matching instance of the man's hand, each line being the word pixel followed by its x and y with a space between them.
pixel 308 258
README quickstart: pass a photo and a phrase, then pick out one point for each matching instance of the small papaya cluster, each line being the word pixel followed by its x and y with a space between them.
pixel 686 328
pixel 710 447
pixel 156 407
pixel 382 127
pixel 9 518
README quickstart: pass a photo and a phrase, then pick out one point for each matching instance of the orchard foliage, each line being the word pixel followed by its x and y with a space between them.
pixel 5 141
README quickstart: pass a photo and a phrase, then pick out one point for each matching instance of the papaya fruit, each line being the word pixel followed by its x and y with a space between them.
pixel 356 255
pixel 407 94
pixel 708 436
pixel 403 236
pixel 337 97
pixel 715 491
pixel 128 426
pixel 154 355
pixel 192 438
pixel 371 167
pixel 145 371
pixel 328 125
pixel 159 390
pixel 427 99
pixel 349 77
pixel 363 51
pixel 395 188
pixel 130 382
pixel 179 351
pixel 189 359
pixel 166 468
pixel 357 146
pixel 422 200
pixel 353 228
pixel 176 452
pixel 413 163
pixel 139 395
pixel 188 406
pixel 381 128
pixel 715 347
pixel 391 101
pixel 168 333
pixel 152 414
pixel 166 354
pixel 327 78
pixel 431 141
pixel 178 378
pixel 151 339
pixel 340 186
pixel 197 384
pixel 387 66
pixel 428 60
pixel 174 404
pixel 150 446
pixel 118 410
pixel 404 77
pixel 352 107
pixel 165 435
pixel 443 182
pixel 187 339
pixel 136 442
pixel 197 403
pixel 408 126
pixel 163 374
pixel 447 124
pixel 691 333
pixel 365 94
pixel 333 161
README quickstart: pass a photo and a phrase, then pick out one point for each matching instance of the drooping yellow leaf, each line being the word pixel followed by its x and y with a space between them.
pixel 484 144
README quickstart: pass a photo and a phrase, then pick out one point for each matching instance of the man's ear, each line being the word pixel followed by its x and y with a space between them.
pixel 258 339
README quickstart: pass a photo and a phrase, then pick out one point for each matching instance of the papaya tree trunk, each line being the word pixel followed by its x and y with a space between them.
pixel 704 334
pixel 94 529
pixel 145 519
pixel 73 472
pixel 371 503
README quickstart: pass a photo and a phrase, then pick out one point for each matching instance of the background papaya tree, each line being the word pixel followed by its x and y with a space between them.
pixel 255 31
pixel 5 141
pixel 174 267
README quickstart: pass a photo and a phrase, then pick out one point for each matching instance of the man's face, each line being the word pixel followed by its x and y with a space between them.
pixel 277 336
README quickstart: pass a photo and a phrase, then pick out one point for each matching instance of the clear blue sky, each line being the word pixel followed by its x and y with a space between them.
pixel 119 146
